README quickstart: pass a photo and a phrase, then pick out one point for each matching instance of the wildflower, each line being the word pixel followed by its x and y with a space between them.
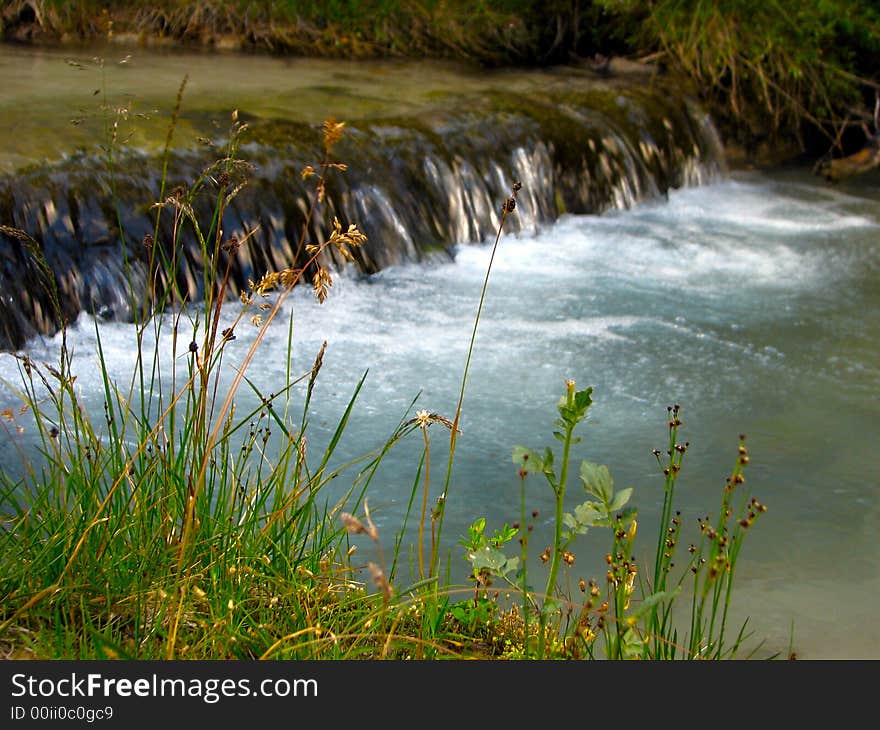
pixel 425 418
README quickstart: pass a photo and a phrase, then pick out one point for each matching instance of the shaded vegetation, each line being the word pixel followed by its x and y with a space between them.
pixel 771 71
pixel 800 75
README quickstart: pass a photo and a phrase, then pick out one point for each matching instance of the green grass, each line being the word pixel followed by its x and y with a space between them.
pixel 191 516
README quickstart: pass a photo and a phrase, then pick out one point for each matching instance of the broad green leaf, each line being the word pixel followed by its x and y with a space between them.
pixel 582 401
pixel 592 514
pixel 527 459
pixel 597 480
pixel 574 526
pixel 496 562
pixel 488 558
pixel 620 499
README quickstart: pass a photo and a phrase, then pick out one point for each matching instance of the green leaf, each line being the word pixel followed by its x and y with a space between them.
pixel 496 562
pixel 548 460
pixel 620 499
pixel 574 525
pixel 582 401
pixel 592 514
pixel 632 645
pixel 550 605
pixel 475 534
pixel 597 480
pixel 655 598
pixel 527 459
pixel 505 536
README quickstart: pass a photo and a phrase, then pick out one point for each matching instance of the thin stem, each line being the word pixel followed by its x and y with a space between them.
pixel 524 552
pixel 424 501
pixel 507 208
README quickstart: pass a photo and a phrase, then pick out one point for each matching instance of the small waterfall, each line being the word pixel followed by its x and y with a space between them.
pixel 417 185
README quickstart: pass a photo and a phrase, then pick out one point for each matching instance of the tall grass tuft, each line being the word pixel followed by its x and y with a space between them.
pixel 185 520
pixel 173 523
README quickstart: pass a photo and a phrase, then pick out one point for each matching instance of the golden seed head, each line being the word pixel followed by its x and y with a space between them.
pixel 380 580
pixel 332 133
pixel 321 283
pixel 352 524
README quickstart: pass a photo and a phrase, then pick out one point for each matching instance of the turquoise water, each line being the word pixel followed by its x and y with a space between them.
pixel 752 302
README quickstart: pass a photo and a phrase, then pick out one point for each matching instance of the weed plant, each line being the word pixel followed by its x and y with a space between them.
pixel 181 523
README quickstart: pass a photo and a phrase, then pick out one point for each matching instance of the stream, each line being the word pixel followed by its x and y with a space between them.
pixel 749 298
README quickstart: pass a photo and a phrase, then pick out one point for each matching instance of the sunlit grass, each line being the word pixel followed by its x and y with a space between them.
pixel 190 519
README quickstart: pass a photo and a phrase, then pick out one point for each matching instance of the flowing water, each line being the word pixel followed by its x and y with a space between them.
pixel 750 300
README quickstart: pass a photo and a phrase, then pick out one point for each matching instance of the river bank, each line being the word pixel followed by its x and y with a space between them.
pixel 810 95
